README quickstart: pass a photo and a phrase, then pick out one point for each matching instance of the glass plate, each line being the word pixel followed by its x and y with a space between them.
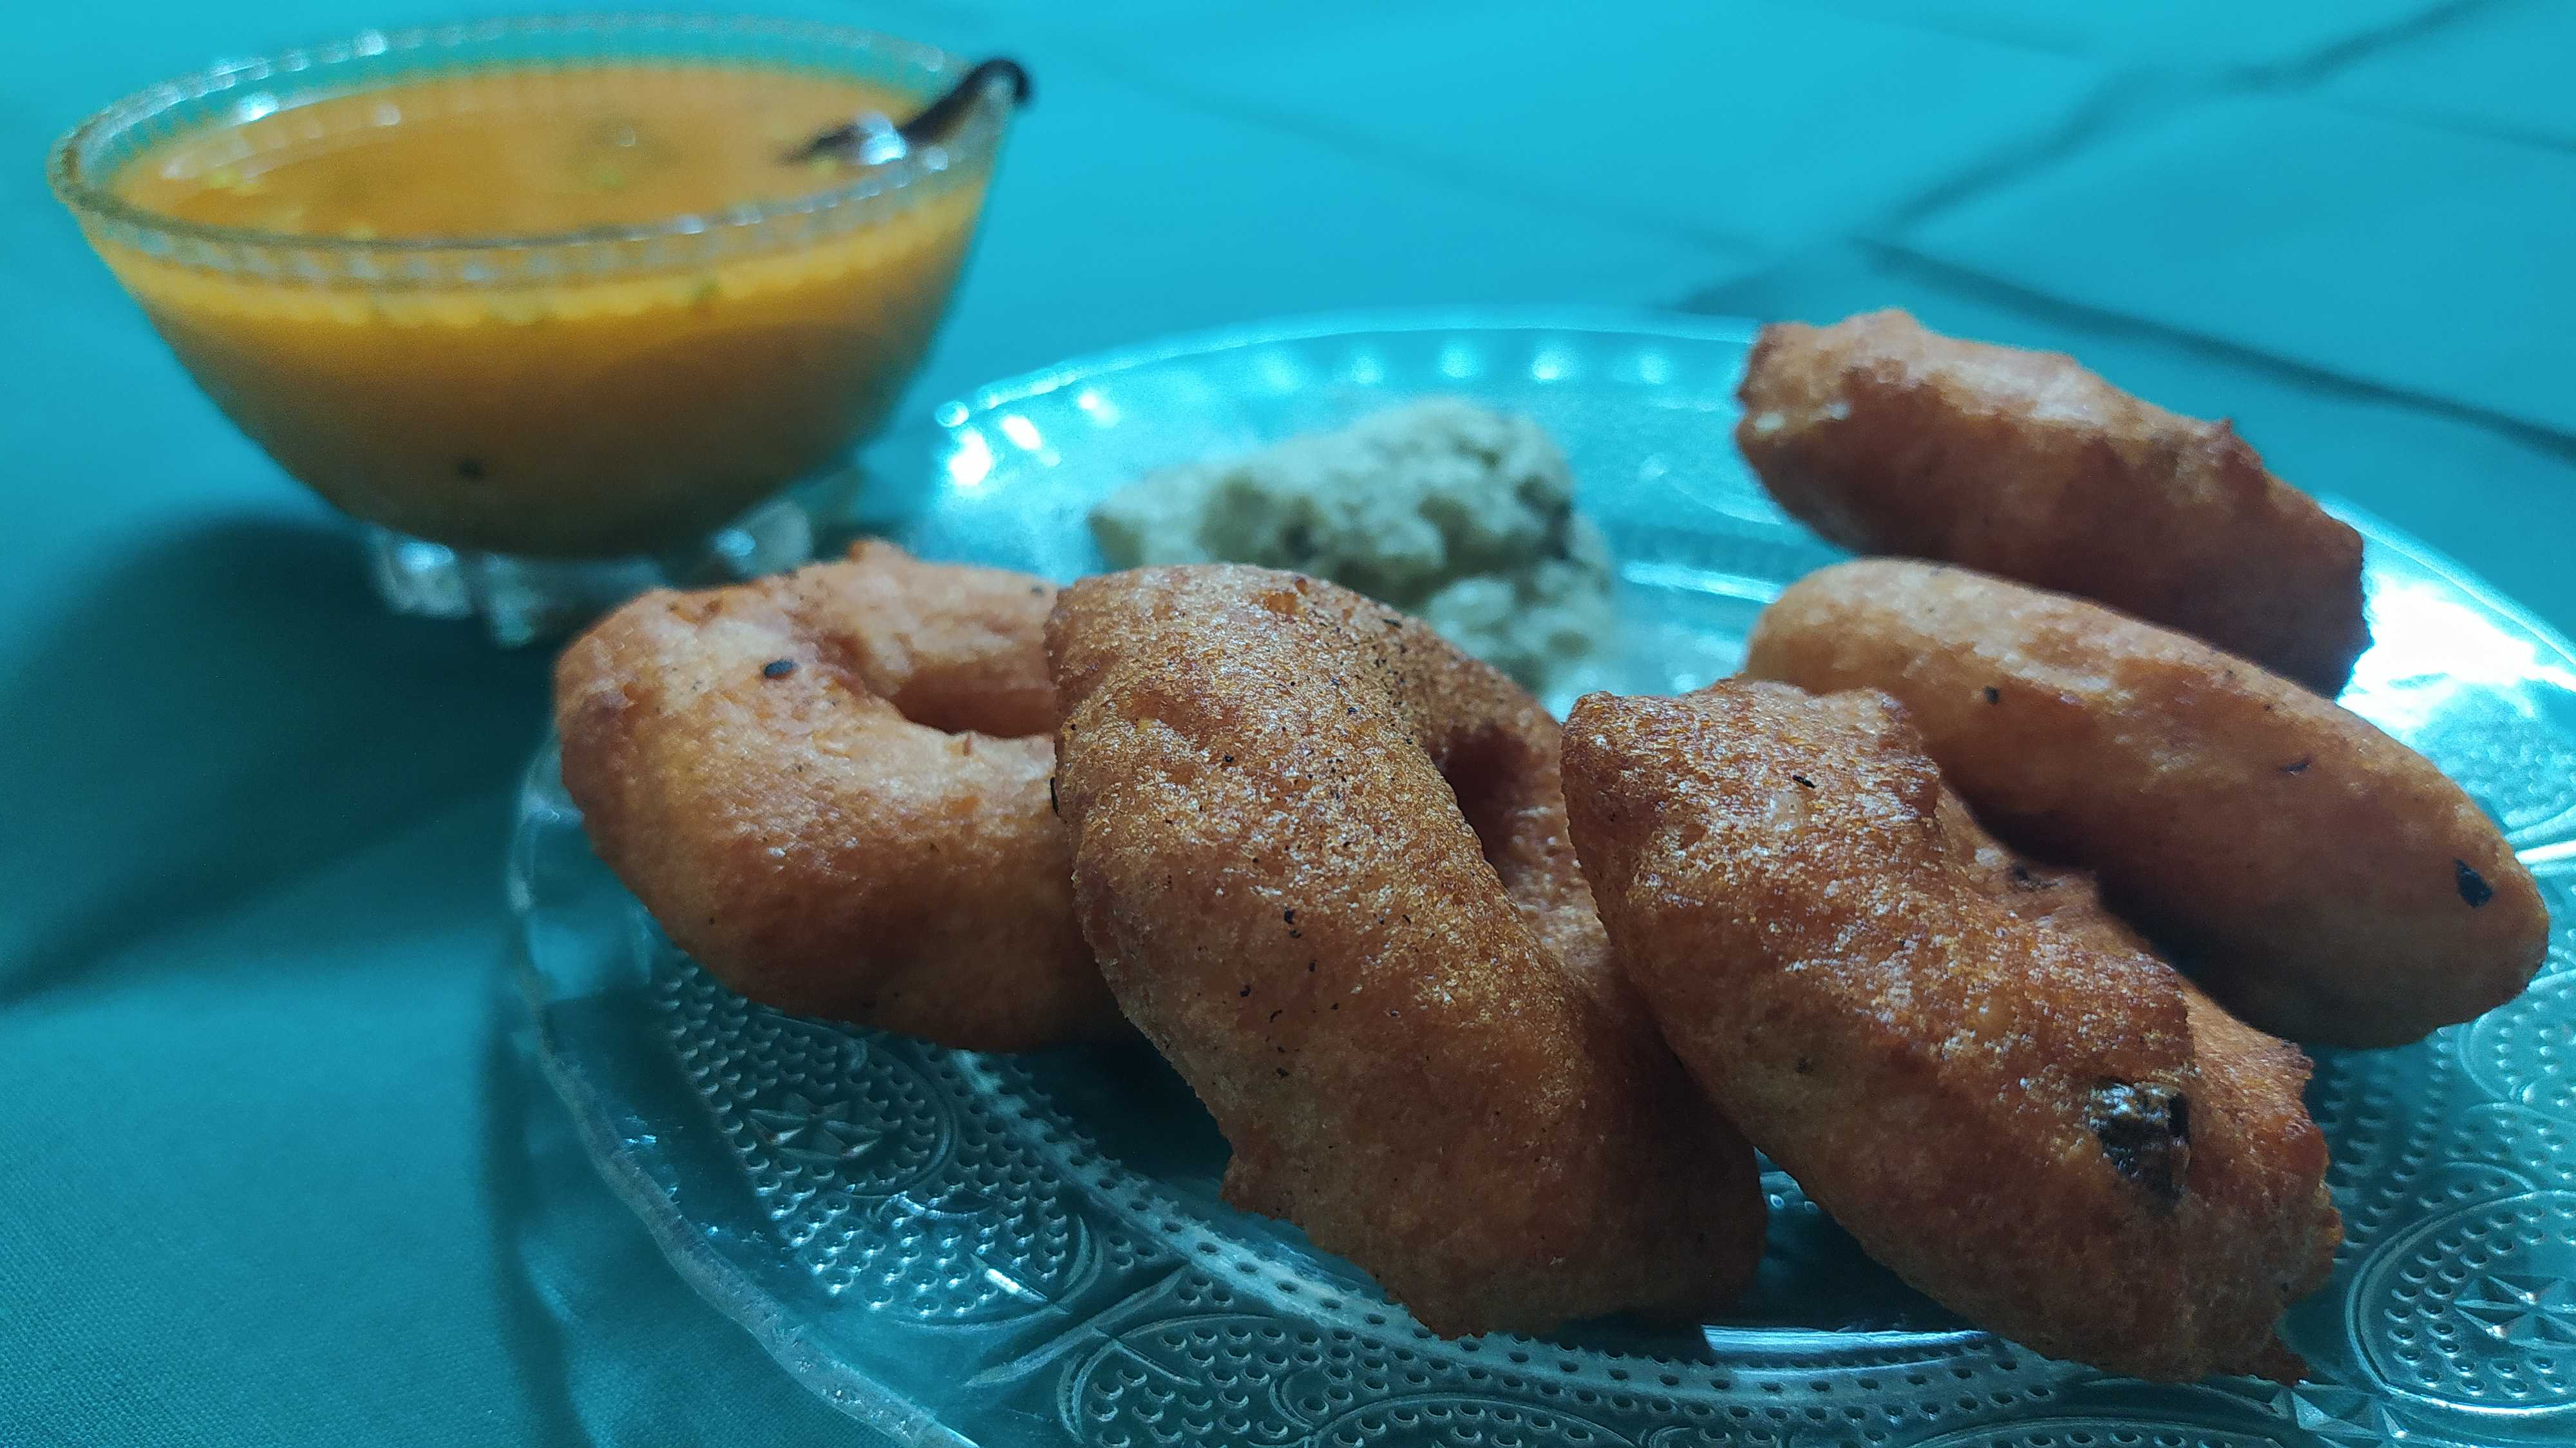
pixel 1029 1250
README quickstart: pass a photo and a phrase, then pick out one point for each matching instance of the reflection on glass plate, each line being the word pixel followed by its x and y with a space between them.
pixel 998 1250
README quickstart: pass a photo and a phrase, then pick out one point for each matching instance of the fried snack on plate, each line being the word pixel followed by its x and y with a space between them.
pixel 830 787
pixel 2003 1098
pixel 1888 438
pixel 1289 809
pixel 2254 1129
pixel 2322 880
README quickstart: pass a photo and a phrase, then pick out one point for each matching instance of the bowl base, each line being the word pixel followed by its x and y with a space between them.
pixel 522 600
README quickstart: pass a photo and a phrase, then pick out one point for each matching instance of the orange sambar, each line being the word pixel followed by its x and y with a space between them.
pixel 632 398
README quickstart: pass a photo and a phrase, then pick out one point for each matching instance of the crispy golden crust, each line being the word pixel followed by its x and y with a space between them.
pixel 2325 882
pixel 1888 438
pixel 2019 1116
pixel 1277 790
pixel 2258 1159
pixel 865 834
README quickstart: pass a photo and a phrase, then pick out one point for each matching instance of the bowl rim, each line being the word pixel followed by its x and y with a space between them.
pixel 91 198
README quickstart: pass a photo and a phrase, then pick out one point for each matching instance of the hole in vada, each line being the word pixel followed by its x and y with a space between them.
pixel 1488 774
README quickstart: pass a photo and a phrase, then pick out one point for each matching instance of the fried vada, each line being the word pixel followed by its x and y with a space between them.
pixel 1300 820
pixel 1888 438
pixel 2322 880
pixel 831 788
pixel 1976 1072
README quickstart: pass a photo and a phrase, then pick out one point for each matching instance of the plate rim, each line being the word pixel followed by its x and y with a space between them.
pixel 1312 326
pixel 718 1281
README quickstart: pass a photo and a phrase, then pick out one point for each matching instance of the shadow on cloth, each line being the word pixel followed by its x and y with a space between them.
pixel 225 709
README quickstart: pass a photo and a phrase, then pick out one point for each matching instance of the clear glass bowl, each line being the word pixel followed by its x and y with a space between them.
pixel 536 425
pixel 1030 1250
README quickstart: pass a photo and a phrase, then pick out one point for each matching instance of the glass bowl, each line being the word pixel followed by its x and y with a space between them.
pixel 1031 1250
pixel 535 425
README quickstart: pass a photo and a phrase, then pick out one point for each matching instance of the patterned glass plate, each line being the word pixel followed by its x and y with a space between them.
pixel 963 1248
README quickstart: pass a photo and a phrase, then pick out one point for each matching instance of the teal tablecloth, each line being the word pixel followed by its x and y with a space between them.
pixel 270 1170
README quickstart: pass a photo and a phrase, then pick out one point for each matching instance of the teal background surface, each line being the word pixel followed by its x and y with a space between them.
pixel 271 1170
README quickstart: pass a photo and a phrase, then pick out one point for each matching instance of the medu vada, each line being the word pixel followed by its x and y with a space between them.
pixel 2322 880
pixel 1990 1085
pixel 831 788
pixel 1297 819
pixel 1889 438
